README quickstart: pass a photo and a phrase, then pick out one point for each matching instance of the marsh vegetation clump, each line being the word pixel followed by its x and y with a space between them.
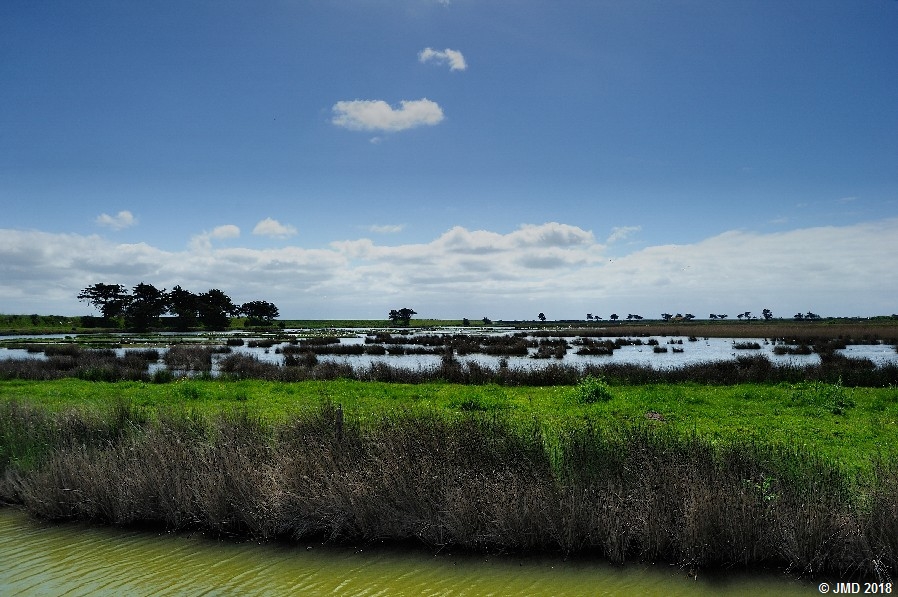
pixel 186 358
pixel 834 398
pixel 746 346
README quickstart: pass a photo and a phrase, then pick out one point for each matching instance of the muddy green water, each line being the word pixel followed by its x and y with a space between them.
pixel 73 559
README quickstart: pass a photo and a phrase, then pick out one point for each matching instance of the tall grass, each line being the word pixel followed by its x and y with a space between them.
pixel 475 481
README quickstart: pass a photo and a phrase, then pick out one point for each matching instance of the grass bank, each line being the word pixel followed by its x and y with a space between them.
pixel 485 468
pixel 845 425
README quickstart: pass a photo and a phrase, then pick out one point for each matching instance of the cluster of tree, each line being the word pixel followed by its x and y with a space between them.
pixel 767 314
pixel 808 315
pixel 677 317
pixel 486 321
pixel 143 305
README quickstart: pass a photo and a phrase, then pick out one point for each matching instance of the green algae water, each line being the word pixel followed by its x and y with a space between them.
pixel 39 558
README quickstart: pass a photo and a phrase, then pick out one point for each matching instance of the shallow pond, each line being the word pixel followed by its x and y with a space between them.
pixel 74 559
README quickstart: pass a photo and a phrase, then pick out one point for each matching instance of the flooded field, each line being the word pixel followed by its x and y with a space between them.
pixel 426 349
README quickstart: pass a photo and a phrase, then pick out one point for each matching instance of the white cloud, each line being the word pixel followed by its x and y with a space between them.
pixel 386 229
pixel 556 268
pixel 122 219
pixel 378 115
pixel 271 227
pixel 453 58
pixel 203 241
pixel 622 232
pixel 226 231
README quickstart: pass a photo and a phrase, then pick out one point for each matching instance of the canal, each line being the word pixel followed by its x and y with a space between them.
pixel 40 558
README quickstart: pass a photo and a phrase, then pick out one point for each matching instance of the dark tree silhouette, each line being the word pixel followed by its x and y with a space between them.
pixel 110 299
pixel 216 309
pixel 185 305
pixel 259 312
pixel 147 303
pixel 404 315
pixel 542 316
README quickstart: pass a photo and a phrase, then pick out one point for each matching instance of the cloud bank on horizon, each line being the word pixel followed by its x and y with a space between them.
pixel 556 268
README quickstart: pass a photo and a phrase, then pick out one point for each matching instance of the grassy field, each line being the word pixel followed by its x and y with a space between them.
pixel 846 425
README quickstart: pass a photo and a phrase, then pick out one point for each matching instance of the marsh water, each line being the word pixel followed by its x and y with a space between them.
pixel 677 351
pixel 75 559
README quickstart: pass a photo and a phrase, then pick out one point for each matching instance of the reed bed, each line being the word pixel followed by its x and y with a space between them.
pixel 475 481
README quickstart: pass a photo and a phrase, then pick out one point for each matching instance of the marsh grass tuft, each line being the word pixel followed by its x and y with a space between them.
pixel 593 389
pixel 831 397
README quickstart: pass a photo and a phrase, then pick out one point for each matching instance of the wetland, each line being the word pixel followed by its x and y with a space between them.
pixel 748 463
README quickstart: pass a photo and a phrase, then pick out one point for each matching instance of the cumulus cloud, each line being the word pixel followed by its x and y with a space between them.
pixel 553 267
pixel 273 228
pixel 378 115
pixel 453 58
pixel 122 219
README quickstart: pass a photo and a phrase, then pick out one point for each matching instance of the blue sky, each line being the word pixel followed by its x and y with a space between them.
pixel 466 158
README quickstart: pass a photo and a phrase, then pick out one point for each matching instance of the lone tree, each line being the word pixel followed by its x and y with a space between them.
pixel 542 316
pixel 404 315
pixel 110 299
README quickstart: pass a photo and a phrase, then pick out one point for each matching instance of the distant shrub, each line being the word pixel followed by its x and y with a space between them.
pixel 746 345
pixel 782 349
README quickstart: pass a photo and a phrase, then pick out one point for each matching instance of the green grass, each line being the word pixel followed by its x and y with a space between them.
pixel 845 425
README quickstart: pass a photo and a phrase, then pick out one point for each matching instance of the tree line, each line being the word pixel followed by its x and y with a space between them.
pixel 142 306
pixel 766 314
